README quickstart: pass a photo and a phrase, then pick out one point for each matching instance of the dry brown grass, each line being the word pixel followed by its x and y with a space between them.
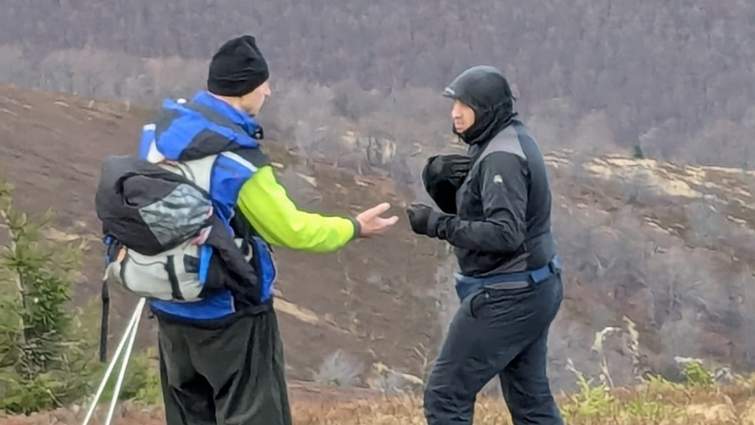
pixel 387 411
pixel 657 402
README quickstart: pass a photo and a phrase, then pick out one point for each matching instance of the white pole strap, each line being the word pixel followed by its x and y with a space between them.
pixel 128 336
pixel 124 364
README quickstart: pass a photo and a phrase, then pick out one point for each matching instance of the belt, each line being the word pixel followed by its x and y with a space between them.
pixel 467 285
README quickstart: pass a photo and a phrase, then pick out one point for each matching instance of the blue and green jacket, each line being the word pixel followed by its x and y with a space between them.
pixel 242 182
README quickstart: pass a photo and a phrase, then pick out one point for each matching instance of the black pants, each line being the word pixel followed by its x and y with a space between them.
pixel 497 332
pixel 229 376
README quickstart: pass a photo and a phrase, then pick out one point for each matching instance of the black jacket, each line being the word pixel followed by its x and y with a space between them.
pixel 502 221
pixel 503 208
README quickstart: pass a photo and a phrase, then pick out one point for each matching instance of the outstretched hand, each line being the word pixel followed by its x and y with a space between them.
pixel 372 223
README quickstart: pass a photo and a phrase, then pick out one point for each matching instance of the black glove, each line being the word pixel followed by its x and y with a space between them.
pixel 423 219
pixel 442 176
pixel 451 168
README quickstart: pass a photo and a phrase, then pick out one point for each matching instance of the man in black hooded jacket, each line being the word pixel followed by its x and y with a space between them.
pixel 496 206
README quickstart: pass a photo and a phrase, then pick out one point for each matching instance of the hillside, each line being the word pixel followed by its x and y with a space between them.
pixel 668 246
pixel 673 76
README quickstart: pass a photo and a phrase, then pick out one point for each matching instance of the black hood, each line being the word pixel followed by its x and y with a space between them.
pixel 486 91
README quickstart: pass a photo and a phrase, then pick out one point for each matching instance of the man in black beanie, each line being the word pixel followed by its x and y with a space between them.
pixel 239 75
pixel 221 357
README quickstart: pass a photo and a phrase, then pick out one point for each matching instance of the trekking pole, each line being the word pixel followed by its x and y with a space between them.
pixel 127 337
pixel 124 364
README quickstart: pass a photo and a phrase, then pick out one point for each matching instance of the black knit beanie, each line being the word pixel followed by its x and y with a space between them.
pixel 237 68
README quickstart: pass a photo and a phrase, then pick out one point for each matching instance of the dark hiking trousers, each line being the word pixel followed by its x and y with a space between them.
pixel 228 376
pixel 497 332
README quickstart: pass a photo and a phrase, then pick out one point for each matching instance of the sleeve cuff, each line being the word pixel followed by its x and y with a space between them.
pixel 434 222
pixel 357 228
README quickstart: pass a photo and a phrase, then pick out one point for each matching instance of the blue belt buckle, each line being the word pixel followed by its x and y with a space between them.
pixel 552 268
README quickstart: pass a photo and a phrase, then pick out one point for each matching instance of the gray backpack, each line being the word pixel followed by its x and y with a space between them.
pixel 158 219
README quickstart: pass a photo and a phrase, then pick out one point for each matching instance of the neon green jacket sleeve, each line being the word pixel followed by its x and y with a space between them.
pixel 265 203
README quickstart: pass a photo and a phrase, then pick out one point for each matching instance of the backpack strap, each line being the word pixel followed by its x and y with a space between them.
pixel 170 267
pixel 110 249
pixel 104 320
